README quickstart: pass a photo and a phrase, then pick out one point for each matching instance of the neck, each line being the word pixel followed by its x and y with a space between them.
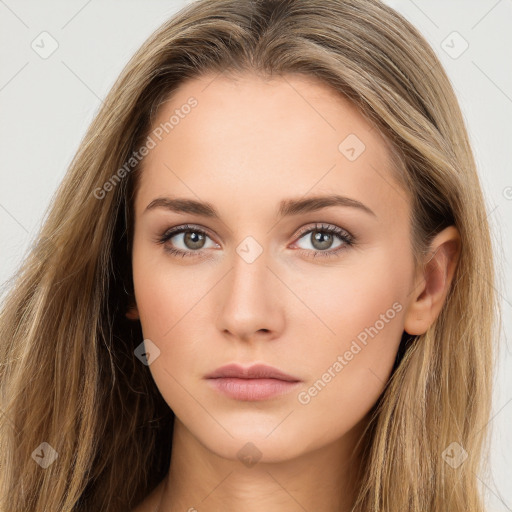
pixel 319 479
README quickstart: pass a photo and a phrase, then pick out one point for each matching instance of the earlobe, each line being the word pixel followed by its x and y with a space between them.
pixel 433 282
pixel 132 313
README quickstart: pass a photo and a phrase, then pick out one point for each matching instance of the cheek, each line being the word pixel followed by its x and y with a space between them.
pixel 363 310
pixel 351 299
pixel 171 301
pixel 165 292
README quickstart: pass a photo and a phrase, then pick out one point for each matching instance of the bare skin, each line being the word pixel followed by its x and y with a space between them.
pixel 245 147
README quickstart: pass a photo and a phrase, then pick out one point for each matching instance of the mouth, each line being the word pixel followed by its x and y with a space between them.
pixel 257 382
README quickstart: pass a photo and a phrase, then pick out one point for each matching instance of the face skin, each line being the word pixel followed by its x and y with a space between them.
pixel 248 145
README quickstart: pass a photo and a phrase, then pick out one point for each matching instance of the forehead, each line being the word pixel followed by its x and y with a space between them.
pixel 248 138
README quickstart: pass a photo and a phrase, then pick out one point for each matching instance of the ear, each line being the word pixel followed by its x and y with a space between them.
pixel 433 281
pixel 132 313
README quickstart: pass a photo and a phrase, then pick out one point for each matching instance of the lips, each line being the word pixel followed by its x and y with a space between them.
pixel 257 371
pixel 257 382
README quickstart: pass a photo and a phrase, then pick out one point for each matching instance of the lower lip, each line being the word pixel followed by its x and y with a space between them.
pixel 252 389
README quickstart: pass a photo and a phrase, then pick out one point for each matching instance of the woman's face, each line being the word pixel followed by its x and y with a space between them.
pixel 256 283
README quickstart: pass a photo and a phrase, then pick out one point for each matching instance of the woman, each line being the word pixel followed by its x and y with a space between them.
pixel 265 282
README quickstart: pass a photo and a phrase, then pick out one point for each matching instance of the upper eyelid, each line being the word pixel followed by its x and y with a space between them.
pixel 177 230
pixel 320 226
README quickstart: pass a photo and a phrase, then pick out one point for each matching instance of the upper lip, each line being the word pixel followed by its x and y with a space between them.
pixel 256 371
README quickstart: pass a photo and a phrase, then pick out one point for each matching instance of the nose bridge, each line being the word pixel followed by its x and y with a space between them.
pixel 250 296
pixel 250 275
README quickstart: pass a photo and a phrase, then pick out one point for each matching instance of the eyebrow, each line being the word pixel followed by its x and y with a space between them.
pixel 287 207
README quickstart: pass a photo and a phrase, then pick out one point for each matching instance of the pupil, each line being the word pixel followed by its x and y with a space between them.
pixel 195 239
pixel 318 235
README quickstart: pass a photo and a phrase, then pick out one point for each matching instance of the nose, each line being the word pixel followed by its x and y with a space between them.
pixel 251 301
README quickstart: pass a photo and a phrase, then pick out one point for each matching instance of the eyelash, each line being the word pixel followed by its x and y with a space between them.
pixel 347 239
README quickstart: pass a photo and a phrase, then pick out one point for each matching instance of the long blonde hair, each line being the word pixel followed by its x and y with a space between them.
pixel 68 373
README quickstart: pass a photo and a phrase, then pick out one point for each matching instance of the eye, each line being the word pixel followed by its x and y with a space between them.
pixel 191 239
pixel 321 238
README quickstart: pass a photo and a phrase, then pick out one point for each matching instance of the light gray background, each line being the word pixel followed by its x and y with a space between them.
pixel 47 104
